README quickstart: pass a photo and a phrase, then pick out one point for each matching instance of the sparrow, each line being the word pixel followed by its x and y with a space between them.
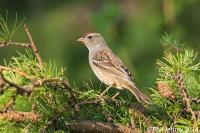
pixel 108 68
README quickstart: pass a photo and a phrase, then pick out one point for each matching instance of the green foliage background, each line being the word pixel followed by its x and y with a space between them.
pixel 132 28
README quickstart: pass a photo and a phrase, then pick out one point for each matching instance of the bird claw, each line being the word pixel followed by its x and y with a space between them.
pixel 114 96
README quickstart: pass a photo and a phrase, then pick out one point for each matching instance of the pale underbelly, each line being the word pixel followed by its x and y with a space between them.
pixel 108 79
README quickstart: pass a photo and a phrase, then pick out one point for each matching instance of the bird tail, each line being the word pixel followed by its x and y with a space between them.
pixel 138 94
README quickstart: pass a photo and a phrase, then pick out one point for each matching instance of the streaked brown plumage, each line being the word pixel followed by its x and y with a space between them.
pixel 108 67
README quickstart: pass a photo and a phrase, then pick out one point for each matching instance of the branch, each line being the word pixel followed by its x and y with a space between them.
pixel 134 106
pixel 33 46
pixel 19 116
pixel 2 83
pixel 15 43
pixel 83 126
pixel 136 109
pixel 75 101
pixel 51 122
pixel 65 83
pixel 17 71
pixel 35 83
pixel 40 82
pixel 197 113
pixel 179 77
pixel 196 100
pixel 20 89
pixel 27 88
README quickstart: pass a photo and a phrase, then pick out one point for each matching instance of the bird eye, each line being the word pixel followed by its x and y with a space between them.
pixel 89 37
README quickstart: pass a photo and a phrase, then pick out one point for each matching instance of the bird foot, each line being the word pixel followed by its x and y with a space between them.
pixel 102 94
pixel 113 97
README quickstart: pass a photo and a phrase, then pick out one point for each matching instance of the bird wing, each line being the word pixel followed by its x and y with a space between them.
pixel 105 59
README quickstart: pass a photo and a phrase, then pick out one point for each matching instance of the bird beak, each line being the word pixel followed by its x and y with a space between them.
pixel 81 40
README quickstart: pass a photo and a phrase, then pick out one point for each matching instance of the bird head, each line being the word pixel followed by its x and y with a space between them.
pixel 92 40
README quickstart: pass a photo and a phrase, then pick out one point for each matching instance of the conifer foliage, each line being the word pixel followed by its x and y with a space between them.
pixel 36 96
pixel 178 88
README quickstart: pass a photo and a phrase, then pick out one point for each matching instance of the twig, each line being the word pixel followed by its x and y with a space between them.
pixel 19 116
pixel 2 83
pixel 66 86
pixel 35 83
pixel 183 91
pixel 17 71
pixel 137 110
pixel 26 88
pixel 98 101
pixel 135 106
pixel 197 113
pixel 9 104
pixel 196 100
pixel 20 89
pixel 76 105
pixel 51 122
pixel 33 46
pixel 83 126
pixel 14 43
pixel 39 82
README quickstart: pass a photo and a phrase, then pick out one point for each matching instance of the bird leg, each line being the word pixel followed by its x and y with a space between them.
pixel 113 97
pixel 104 91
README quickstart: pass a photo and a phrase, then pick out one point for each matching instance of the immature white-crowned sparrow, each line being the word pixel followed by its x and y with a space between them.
pixel 108 67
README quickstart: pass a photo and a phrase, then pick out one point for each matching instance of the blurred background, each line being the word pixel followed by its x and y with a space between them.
pixel 133 29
